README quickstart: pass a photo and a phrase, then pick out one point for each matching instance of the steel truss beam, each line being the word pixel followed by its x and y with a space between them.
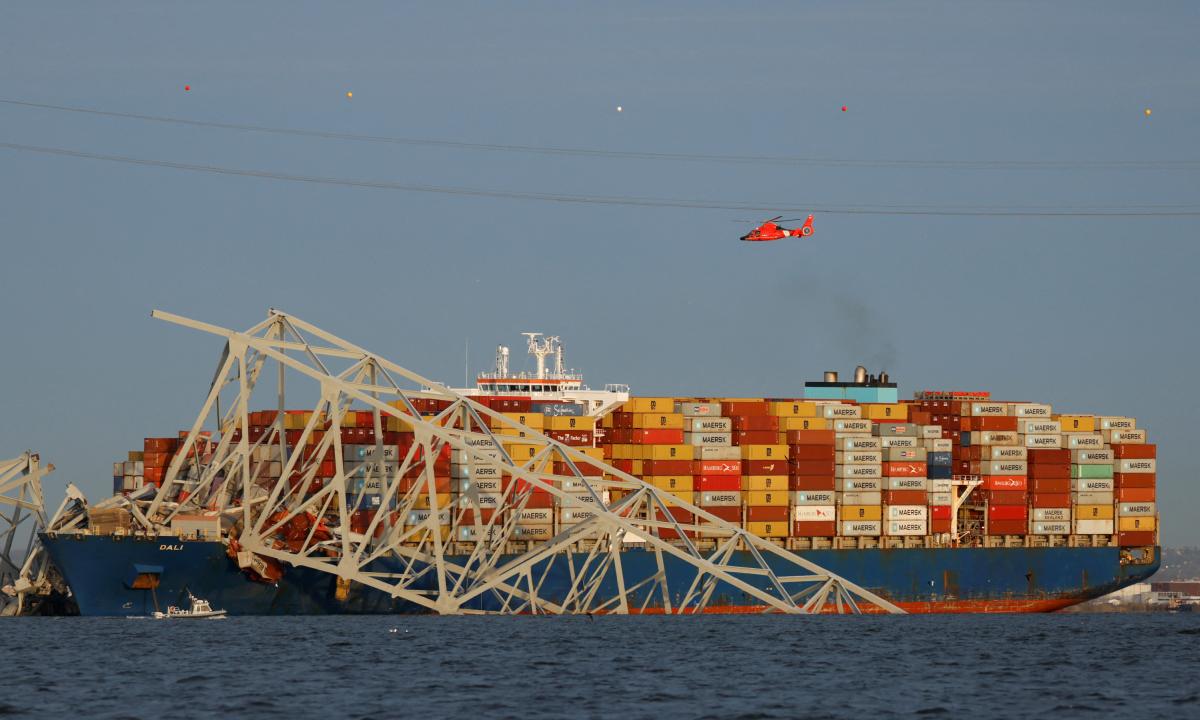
pixel 624 555
pixel 25 571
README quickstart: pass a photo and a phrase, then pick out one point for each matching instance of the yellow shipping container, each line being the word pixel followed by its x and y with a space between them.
pixel 1093 512
pixel 522 451
pixel 684 496
pixel 671 483
pixel 764 452
pixel 1077 423
pixel 649 405
pixel 513 431
pixel 773 497
pixel 395 424
pixel 137 455
pixel 637 468
pixel 658 421
pixel 765 482
pixel 668 452
pixel 592 452
pixel 803 423
pixel 444 500
pixel 569 422
pixel 622 451
pixel 768 529
pixel 797 409
pixel 423 534
pixel 885 411
pixel 861 512
pixel 534 421
pixel 1126 524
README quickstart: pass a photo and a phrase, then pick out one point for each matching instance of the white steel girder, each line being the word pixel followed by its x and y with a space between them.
pixel 403 548
pixel 25 571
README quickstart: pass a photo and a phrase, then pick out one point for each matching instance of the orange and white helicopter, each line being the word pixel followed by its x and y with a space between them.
pixel 770 230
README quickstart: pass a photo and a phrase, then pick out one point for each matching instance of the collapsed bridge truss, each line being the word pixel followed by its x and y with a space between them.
pixel 27 578
pixel 383 526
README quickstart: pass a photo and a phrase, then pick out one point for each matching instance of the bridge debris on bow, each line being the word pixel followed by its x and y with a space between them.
pixel 29 584
pixel 378 525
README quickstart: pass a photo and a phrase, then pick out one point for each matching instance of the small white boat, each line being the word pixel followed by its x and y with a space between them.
pixel 199 609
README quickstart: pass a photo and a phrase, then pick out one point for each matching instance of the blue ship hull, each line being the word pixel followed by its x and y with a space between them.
pixel 101 571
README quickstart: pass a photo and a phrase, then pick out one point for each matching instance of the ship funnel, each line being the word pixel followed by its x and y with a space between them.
pixel 831 376
pixel 860 374
pixel 883 378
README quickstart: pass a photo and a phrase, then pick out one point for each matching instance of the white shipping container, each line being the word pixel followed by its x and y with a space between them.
pixel 576 499
pixel 859 484
pixel 814 513
pixel 698 409
pixel 905 483
pixel 717 453
pixel 720 498
pixel 994 437
pixel 533 532
pixel 931 432
pixel 946 445
pixel 708 424
pixel 861 528
pixel 1042 441
pixel 1093 527
pixel 1005 467
pixel 988 409
pixel 1125 437
pixel 1050 528
pixel 572 516
pixel 535 516
pixel 370 452
pixel 708 439
pixel 1086 441
pixel 1036 427
pixel 1107 422
pixel 815 497
pixel 852 427
pixel 906 512
pixel 1092 457
pixel 482 485
pixel 479 442
pixel 470 533
pixel 860 498
pixel 1054 515
pixel 482 501
pixel 901 442
pixel 1135 466
pixel 901 528
pixel 1004 452
pixel 859 471
pixel 903 454
pixel 1091 498
pixel 858 442
pixel 1030 410
pixel 416 517
pixel 1093 484
pixel 1136 509
pixel 941 498
pixel 840 412
pixel 897 430
pixel 941 485
pixel 859 457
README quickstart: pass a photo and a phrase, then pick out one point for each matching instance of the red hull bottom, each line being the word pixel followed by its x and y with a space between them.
pixel 913 608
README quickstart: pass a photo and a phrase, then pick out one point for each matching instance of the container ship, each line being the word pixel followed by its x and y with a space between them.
pixel 532 493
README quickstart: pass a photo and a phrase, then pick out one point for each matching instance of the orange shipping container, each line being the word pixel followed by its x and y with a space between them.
pixel 766 513
pixel 1134 480
pixel 811 437
pixel 813 452
pixel 811 482
pixel 1135 452
pixel 814 528
pixel 904 469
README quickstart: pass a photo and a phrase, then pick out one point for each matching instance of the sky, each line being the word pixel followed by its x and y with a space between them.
pixel 1090 313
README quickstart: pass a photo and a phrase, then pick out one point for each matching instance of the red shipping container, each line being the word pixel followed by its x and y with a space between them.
pixel 683 517
pixel 904 469
pixel 154 474
pixel 468 517
pixel 962 467
pixel 765 467
pixel 718 483
pixel 1134 538
pixel 812 452
pixel 1135 452
pixel 755 437
pixel 658 436
pixel 1049 456
pixel 1135 480
pixel 1050 485
pixel 766 513
pixel 939 525
pixel 811 482
pixel 1005 482
pixel 1006 527
pixel 728 514
pixel 1050 470
pixel 441 485
pixel 1002 424
pixel 939 512
pixel 573 438
pixel 159 445
pixel 755 422
pixel 666 467
pixel 904 497
pixel 717 467
pixel 751 407
pixel 1135 495
pixel 1006 497
pixel 624 465
pixel 814 528
pixel 1007 512
pixel 1050 500
pixel 813 467
pixel 587 469
pixel 811 437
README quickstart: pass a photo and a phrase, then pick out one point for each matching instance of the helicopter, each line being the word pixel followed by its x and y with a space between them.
pixel 770 230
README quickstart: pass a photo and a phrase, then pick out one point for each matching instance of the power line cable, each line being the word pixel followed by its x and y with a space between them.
pixel 782 160
pixel 832 209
